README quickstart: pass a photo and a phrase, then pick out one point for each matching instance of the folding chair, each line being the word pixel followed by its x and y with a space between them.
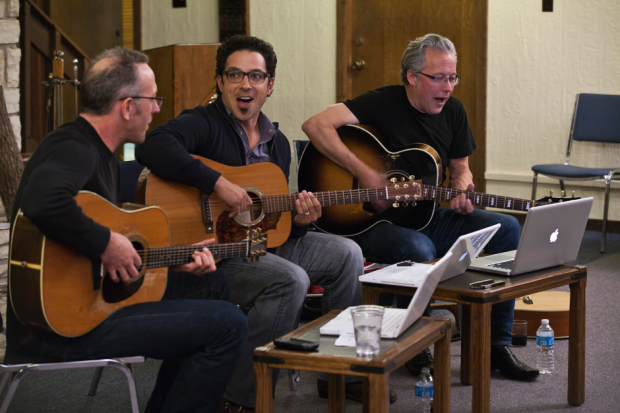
pixel 596 119
pixel 15 370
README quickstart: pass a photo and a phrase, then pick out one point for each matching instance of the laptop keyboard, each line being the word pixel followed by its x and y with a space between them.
pixel 504 265
pixel 478 240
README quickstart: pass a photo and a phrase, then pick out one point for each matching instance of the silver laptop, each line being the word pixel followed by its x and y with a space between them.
pixel 551 236
pixel 464 251
pixel 395 320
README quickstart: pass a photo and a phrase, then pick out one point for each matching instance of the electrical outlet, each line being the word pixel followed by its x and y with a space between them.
pixel 547 5
pixel 178 3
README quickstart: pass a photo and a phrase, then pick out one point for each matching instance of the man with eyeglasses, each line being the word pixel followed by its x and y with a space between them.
pixel 193 329
pixel 422 110
pixel 233 131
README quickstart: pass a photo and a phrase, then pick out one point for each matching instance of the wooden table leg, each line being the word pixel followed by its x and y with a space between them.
pixel 336 393
pixel 378 386
pixel 371 296
pixel 466 345
pixel 264 389
pixel 365 396
pixel 577 343
pixel 481 357
pixel 441 399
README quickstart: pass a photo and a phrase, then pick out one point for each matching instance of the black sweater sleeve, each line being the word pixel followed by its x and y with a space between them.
pixel 166 150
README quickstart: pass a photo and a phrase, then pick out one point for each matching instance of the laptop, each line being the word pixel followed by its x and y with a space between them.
pixel 464 251
pixel 551 236
pixel 395 320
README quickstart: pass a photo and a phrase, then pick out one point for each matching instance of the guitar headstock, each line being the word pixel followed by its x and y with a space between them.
pixel 257 245
pixel 547 200
pixel 404 190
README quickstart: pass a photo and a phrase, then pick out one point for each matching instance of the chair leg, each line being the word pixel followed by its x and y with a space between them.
pixel 605 212
pixel 5 380
pixel 534 185
pixel 95 383
pixel 18 376
pixel 133 394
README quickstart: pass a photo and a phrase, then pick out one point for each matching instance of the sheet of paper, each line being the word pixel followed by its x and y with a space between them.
pixel 345 340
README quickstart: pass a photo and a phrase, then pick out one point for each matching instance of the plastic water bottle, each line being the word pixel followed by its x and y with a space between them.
pixel 544 342
pixel 424 392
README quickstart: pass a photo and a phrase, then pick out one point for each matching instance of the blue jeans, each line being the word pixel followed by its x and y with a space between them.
pixel 388 244
pixel 272 291
pixel 197 334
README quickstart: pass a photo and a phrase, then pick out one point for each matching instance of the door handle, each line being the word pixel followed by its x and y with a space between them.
pixel 358 64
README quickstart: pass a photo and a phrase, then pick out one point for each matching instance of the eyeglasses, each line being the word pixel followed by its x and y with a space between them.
pixel 443 79
pixel 158 99
pixel 255 77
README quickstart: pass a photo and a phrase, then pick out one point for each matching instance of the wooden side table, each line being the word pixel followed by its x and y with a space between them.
pixel 341 361
pixel 476 322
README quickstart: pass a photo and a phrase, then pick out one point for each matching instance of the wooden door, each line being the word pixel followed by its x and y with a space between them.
pixel 377 33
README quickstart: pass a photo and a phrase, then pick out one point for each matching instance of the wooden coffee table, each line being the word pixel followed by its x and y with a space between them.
pixel 476 322
pixel 338 361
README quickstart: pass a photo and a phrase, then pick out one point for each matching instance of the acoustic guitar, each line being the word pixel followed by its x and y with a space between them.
pixel 552 305
pixel 55 288
pixel 416 166
pixel 195 215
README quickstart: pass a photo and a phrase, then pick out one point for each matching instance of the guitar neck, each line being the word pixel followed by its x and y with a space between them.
pixel 440 194
pixel 281 203
pixel 169 256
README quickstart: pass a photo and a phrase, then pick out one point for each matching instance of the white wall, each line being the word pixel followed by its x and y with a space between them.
pixel 162 25
pixel 538 62
pixel 303 34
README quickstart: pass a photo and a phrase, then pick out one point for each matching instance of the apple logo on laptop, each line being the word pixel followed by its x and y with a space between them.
pixel 463 256
pixel 554 236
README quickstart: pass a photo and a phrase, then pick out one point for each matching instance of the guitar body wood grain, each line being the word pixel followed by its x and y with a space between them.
pixel 182 204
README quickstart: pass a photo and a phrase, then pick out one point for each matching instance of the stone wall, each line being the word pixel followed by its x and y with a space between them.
pixel 10 55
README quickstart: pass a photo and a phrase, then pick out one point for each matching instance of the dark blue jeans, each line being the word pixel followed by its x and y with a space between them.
pixel 388 244
pixel 193 329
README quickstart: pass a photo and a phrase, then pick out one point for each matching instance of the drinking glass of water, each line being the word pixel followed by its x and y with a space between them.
pixel 367 323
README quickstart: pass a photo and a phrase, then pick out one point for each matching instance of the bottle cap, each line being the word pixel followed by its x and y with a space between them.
pixel 545 321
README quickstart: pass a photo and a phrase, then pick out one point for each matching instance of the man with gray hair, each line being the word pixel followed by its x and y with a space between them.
pixel 423 111
pixel 196 333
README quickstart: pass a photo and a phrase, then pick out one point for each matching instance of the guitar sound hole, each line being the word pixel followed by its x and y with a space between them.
pixel 115 292
pixel 254 213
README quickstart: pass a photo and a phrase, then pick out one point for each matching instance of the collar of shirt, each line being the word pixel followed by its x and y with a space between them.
pixel 267 132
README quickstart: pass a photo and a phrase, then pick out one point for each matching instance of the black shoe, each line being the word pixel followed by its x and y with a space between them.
pixel 230 407
pixel 352 391
pixel 424 359
pixel 509 366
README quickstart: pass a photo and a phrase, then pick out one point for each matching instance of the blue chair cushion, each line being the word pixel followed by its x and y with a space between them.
pixel 570 171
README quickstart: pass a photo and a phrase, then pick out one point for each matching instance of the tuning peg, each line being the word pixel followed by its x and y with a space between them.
pixel 258 231
pixel 395 204
pixel 412 177
pixel 393 180
pixel 402 179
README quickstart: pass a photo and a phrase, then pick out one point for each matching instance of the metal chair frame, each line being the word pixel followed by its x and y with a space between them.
pixel 607 178
pixel 16 372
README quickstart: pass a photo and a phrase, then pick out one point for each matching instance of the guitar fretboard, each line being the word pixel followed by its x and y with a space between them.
pixel 440 194
pixel 166 256
pixel 280 203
